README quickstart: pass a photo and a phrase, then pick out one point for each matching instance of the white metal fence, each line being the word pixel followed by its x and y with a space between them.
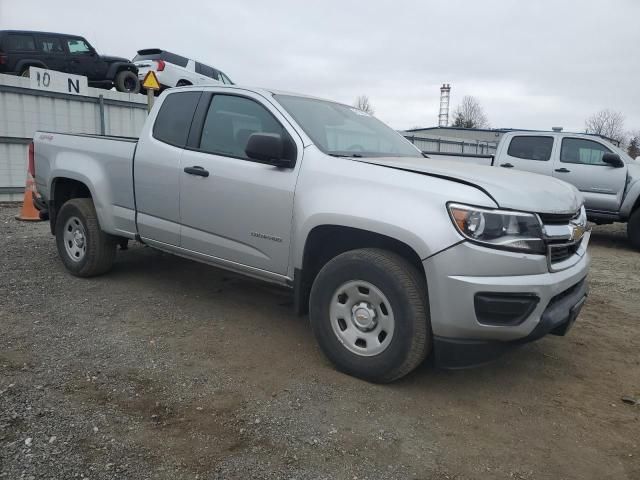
pixel 441 145
pixel 24 110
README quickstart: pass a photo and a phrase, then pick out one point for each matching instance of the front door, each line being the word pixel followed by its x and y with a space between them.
pixel 241 211
pixel 580 163
pixel 82 59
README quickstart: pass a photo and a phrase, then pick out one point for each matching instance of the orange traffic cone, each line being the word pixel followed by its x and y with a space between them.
pixel 28 212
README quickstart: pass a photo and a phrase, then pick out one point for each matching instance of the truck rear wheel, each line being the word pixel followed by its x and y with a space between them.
pixel 84 248
pixel 127 81
pixel 633 229
pixel 369 314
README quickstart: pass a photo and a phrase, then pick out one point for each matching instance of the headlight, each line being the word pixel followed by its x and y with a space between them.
pixel 517 231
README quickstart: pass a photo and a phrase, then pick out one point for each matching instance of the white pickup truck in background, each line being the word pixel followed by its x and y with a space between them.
pixel 607 177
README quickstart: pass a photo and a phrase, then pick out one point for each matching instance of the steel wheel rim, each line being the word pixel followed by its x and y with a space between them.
pixel 362 318
pixel 75 239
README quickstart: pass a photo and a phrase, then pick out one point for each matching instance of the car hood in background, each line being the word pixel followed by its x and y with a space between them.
pixel 515 190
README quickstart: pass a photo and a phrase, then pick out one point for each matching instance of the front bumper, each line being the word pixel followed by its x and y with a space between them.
pixel 457 275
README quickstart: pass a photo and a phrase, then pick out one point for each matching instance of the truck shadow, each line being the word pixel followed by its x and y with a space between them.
pixel 248 308
pixel 610 236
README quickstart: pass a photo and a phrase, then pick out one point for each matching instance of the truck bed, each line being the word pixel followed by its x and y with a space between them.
pixel 106 160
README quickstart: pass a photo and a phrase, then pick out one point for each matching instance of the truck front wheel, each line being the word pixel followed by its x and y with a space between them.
pixel 633 229
pixel 84 248
pixel 369 314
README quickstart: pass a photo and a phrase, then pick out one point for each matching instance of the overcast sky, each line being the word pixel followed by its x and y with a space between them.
pixel 531 64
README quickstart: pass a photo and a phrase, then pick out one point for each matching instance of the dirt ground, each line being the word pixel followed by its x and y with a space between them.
pixel 167 369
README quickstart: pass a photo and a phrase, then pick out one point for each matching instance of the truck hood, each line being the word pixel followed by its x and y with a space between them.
pixel 510 189
pixel 112 59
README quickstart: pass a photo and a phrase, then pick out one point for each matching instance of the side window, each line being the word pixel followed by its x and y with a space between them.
pixel 20 42
pixel 174 118
pixel 77 46
pixel 205 70
pixel 50 45
pixel 578 150
pixel 175 59
pixel 230 122
pixel 225 79
pixel 531 148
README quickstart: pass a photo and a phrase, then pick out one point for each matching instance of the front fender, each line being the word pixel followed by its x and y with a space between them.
pixel 630 200
pixel 405 206
pixel 115 67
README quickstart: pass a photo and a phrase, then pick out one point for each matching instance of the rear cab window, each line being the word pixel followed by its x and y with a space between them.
pixel 530 147
pixel 174 118
pixel 20 42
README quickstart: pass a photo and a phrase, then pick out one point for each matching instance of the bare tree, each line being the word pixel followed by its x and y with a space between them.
pixel 607 123
pixel 470 114
pixel 363 103
pixel 633 149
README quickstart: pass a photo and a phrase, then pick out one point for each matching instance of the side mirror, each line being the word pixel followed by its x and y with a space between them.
pixel 613 159
pixel 267 148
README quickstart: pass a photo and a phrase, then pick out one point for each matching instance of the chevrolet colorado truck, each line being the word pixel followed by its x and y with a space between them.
pixel 394 256
pixel 607 177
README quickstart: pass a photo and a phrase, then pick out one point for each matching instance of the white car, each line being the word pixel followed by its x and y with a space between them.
pixel 175 70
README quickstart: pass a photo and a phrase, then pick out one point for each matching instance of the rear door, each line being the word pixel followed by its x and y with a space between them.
pixel 157 170
pixel 241 212
pixel 52 51
pixel 532 153
pixel 580 163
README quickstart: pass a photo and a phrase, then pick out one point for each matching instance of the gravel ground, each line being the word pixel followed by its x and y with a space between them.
pixel 167 369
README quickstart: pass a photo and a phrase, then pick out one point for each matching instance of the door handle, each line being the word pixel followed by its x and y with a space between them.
pixel 506 165
pixel 562 170
pixel 196 170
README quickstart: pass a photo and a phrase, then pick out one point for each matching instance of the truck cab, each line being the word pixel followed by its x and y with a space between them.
pixel 607 177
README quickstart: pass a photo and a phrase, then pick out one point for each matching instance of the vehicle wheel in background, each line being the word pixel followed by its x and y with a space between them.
pixel 183 83
pixel 633 229
pixel 84 248
pixel 369 313
pixel 25 73
pixel 127 81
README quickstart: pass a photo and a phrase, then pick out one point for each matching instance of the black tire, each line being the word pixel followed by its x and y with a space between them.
pixel 183 83
pixel 633 229
pixel 406 292
pixel 25 72
pixel 127 81
pixel 100 247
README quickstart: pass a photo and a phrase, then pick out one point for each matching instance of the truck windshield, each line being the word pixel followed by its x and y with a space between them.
pixel 340 130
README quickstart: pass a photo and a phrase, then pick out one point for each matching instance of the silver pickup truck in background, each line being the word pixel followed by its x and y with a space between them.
pixel 394 256
pixel 607 177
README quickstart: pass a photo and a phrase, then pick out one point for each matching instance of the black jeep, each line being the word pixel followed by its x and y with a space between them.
pixel 20 49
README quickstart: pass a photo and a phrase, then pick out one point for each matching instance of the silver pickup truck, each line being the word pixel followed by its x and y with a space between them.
pixel 394 256
pixel 607 177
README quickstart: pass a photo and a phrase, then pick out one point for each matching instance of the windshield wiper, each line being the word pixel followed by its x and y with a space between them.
pixel 340 155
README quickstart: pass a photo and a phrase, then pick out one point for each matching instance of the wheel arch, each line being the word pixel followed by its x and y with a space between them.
pixel 63 189
pixel 25 63
pixel 325 242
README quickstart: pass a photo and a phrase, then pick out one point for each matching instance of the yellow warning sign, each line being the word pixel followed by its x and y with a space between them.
pixel 150 81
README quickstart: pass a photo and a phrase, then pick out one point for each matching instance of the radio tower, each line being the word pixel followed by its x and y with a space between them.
pixel 445 93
